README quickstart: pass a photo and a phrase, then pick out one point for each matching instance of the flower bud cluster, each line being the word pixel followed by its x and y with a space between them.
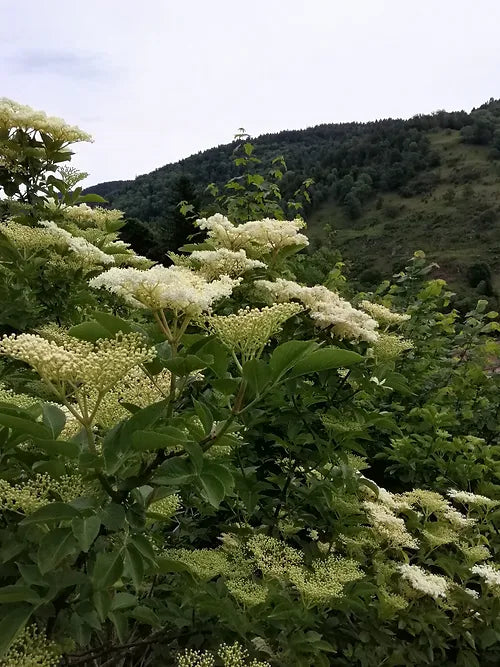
pixel 99 366
pixel 383 315
pixel 247 331
pixel 31 648
pixel 257 237
pixel 213 264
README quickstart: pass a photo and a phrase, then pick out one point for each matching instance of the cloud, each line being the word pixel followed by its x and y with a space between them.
pixel 60 63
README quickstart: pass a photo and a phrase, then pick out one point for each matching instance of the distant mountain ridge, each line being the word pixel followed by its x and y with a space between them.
pixel 389 187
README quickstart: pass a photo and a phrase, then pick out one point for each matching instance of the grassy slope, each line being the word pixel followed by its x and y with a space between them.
pixel 452 228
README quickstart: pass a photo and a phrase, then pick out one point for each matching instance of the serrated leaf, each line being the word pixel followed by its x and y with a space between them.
pixel 212 489
pixel 288 354
pixel 13 624
pixel 89 331
pixel 54 547
pixel 326 358
pixel 108 568
pixel 86 530
pixel 52 512
pixel 53 418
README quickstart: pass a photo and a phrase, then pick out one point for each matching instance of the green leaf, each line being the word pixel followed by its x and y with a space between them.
pixel 167 565
pixel 212 489
pixel 18 594
pixel 53 418
pixel 120 622
pixel 326 358
pixel 24 426
pixel 123 601
pixel 204 414
pixel 226 386
pixel 13 624
pixel 143 546
pixel 52 512
pixel 92 198
pixel 184 365
pixel 257 375
pixel 113 517
pixel 112 323
pixel 195 454
pixel 108 568
pixel 134 565
pixel 222 473
pixel 167 438
pixel 173 473
pixel 102 602
pixel 89 331
pixel 288 354
pixel 70 450
pixel 54 547
pixel 86 530
pixel 145 615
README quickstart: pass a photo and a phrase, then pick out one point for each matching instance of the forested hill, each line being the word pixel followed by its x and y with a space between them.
pixel 388 187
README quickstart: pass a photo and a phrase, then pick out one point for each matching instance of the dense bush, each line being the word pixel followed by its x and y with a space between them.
pixel 212 463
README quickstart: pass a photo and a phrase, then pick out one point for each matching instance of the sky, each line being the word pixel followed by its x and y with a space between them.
pixel 155 81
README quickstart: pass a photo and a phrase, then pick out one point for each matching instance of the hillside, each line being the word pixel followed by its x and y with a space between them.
pixel 388 187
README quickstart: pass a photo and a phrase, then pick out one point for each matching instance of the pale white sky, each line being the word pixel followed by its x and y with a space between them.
pixel 156 80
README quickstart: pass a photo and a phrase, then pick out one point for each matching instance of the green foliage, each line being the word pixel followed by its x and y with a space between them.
pixel 322 491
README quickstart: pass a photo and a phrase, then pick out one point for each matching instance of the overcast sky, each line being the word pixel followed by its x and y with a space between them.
pixel 157 80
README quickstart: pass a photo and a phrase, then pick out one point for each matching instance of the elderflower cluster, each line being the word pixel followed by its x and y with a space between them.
pixel 175 288
pixel 389 526
pixel 19 400
pixel 31 239
pixel 203 563
pixel 215 263
pixel 165 508
pixel 29 496
pixel 14 115
pixel 249 330
pixel 32 648
pixel 84 216
pixel 424 582
pixel 247 592
pixel 230 656
pixel 383 315
pixel 467 498
pixel 257 237
pixel 136 388
pixel 490 574
pixel 326 580
pixel 100 365
pixel 390 346
pixel 326 308
pixel 80 246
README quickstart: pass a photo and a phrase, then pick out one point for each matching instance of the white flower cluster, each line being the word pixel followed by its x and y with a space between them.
pixel 14 115
pixel 490 574
pixel 175 288
pixel 99 366
pixel 215 263
pixel 249 330
pixel 326 308
pixel 424 582
pixel 389 526
pixel 257 237
pixel 383 315
pixel 467 498
pixel 89 252
pixel 31 239
pixel 84 216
